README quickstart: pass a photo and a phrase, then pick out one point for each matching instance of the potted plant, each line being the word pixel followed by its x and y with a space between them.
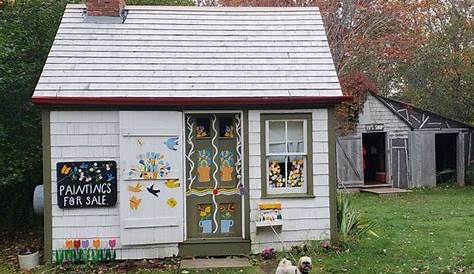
pixel 226 217
pixel 28 258
pixel 205 222
pixel 227 165
pixel 204 168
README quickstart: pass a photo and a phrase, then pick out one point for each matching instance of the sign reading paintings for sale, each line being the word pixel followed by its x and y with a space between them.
pixel 86 184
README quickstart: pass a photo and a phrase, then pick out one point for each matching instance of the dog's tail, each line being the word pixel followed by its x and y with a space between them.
pixel 284 263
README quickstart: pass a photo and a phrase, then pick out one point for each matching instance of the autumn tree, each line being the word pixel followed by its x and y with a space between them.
pixel 440 77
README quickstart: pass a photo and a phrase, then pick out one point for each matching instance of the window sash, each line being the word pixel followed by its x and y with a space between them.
pixel 304 155
pixel 267 138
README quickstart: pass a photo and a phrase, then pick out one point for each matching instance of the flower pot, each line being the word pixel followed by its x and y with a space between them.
pixel 204 174
pixel 28 261
pixel 226 173
pixel 226 225
pixel 206 226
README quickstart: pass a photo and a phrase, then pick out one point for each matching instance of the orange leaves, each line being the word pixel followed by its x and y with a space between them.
pixel 356 85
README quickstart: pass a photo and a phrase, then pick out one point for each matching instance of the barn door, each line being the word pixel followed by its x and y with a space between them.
pixel 349 160
pixel 151 188
pixel 399 162
pixel 214 176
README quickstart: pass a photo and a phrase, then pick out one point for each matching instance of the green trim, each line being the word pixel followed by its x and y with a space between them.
pixel 214 247
pixel 289 196
pixel 332 174
pixel 47 204
pixel 309 166
pixel 245 119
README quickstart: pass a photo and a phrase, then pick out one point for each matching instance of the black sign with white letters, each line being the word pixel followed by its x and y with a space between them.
pixel 374 127
pixel 86 184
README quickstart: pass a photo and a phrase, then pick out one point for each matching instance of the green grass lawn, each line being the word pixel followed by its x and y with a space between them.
pixel 427 231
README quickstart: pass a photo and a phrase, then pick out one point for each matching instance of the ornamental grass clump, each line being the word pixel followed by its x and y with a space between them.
pixel 351 224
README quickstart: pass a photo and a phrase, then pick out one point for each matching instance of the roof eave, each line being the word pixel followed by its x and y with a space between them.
pixel 190 101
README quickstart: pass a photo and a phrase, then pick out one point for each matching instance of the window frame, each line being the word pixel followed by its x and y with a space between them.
pixel 265 120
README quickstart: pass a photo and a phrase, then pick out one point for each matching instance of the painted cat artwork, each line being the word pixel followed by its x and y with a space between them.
pixel 150 166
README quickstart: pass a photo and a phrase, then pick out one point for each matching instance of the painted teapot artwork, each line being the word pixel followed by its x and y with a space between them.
pixel 204 167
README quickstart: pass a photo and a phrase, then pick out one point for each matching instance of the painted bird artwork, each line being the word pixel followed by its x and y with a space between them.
pixel 135 188
pixel 172 183
pixel 153 191
pixel 172 143
pixel 134 202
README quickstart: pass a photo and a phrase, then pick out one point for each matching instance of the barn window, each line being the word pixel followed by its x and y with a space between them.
pixel 286 155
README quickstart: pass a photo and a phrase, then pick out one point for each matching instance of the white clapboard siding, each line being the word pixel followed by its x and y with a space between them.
pixel 303 219
pixel 90 136
pixel 228 52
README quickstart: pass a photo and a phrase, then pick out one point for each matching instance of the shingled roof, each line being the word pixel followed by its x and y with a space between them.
pixel 158 54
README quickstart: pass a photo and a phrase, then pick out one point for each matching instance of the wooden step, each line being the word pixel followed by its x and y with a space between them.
pixel 234 262
pixel 386 191
pixel 376 186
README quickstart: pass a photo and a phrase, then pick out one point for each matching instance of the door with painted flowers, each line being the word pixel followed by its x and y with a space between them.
pixel 214 183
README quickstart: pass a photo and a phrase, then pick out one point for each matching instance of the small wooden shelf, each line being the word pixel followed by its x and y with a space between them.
pixel 269 223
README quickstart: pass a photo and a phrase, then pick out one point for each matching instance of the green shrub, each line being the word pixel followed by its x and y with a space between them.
pixel 470 175
pixel 351 224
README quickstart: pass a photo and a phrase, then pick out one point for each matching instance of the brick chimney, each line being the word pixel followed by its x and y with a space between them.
pixel 111 8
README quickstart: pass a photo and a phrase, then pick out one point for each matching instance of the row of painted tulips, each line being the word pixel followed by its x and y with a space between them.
pixel 86 251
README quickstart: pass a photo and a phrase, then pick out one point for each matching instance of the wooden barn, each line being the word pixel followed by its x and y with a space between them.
pixel 187 131
pixel 396 145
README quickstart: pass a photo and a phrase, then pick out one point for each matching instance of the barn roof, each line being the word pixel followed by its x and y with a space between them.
pixel 170 55
pixel 418 118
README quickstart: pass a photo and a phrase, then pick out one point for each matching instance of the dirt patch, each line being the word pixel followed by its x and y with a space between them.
pixel 12 243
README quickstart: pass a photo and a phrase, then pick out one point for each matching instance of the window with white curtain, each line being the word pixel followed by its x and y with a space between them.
pixel 287 154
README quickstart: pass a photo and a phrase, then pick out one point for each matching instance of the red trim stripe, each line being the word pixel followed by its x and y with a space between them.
pixel 189 101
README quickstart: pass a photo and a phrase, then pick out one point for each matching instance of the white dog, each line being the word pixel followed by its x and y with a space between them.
pixel 286 267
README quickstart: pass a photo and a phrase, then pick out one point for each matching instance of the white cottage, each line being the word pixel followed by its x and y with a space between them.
pixel 187 131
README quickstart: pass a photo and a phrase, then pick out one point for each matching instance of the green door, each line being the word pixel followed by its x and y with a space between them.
pixel 214 176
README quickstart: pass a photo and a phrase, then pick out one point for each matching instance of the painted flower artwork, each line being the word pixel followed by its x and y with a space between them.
pixel 227 163
pixel 227 210
pixel 295 176
pixel 204 212
pixel 204 158
pixel 88 172
pixel 275 175
pixel 204 165
pixel 151 165
pixel 82 251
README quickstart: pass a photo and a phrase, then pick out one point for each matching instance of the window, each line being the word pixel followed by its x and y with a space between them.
pixel 286 155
